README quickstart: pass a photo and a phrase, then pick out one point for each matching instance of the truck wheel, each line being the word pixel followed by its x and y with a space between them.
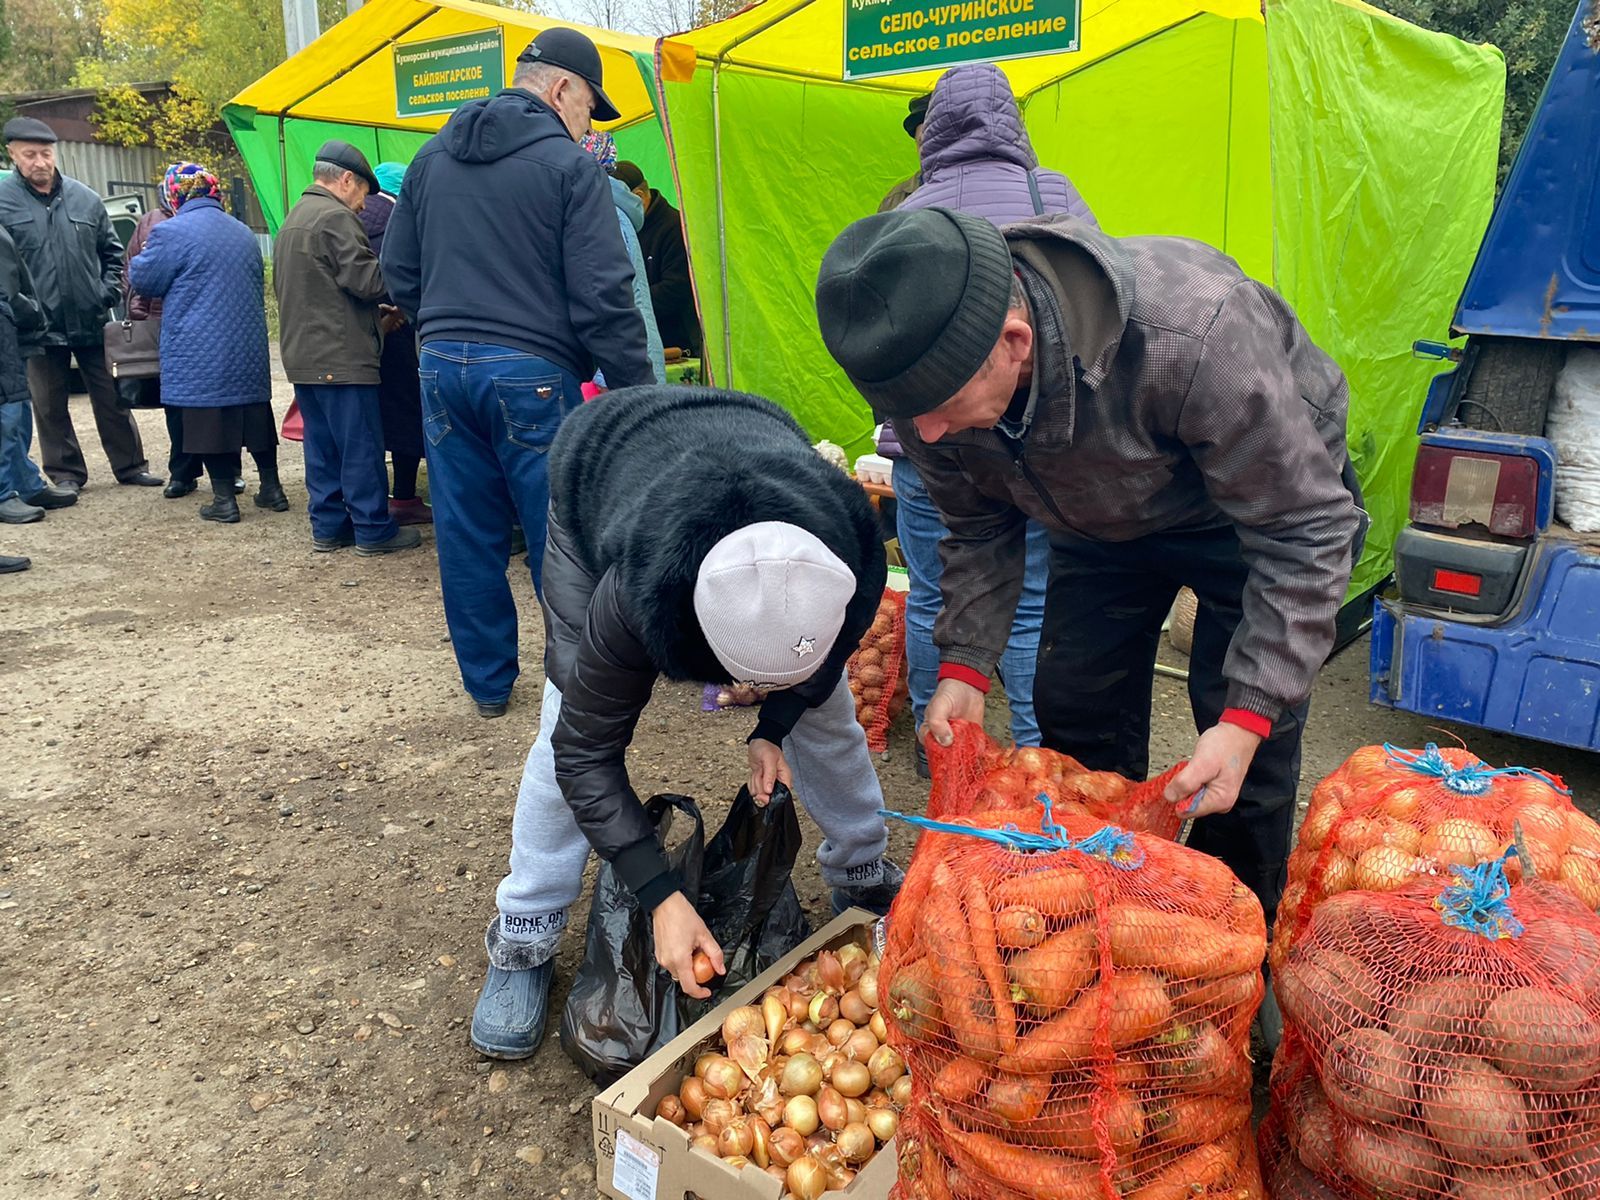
pixel 1509 389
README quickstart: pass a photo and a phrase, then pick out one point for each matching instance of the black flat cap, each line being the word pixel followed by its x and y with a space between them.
pixel 916 113
pixel 343 154
pixel 572 51
pixel 29 129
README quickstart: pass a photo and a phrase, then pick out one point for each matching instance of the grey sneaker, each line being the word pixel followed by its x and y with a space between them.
pixel 17 511
pixel 403 539
pixel 874 897
pixel 509 1019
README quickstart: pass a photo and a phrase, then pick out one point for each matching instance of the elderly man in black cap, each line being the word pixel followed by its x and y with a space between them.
pixel 63 233
pixel 504 252
pixel 916 117
pixel 329 290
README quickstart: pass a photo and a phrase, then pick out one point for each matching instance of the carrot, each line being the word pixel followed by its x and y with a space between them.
pixel 1139 1006
pixel 1230 1002
pixel 913 893
pixel 1018 1098
pixel 1178 945
pixel 980 924
pixel 1069 1125
pixel 1183 1179
pixel 1197 1058
pixel 1051 974
pixel 960 1079
pixel 964 994
pixel 1029 1171
pixel 1019 927
pixel 914 1002
pixel 1193 1120
pixel 1060 891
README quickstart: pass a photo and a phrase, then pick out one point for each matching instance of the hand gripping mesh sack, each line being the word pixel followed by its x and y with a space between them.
pixel 1441 1042
pixel 1388 816
pixel 1073 1002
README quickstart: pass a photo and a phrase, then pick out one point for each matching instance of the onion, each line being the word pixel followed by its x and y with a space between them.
pixel 785 1145
pixel 861 1045
pixel 743 1022
pixel 800 1115
pixel 670 1108
pixel 737 1161
pixel 879 1027
pixel 839 1031
pixel 809 975
pixel 830 972
pixel 840 1178
pixel 774 1015
pixel 886 1066
pixel 830 1109
pixel 900 1093
pixel 854 1112
pixel 706 1142
pixel 830 1062
pixel 693 1095
pixel 852 1079
pixel 820 1047
pixel 750 1053
pixel 855 1009
pixel 795 1041
pixel 854 960
pixel 736 1138
pixel 878 1098
pixel 799 1006
pixel 700 963
pixel 856 1142
pixel 883 1122
pixel 806 1178
pixel 760 1142
pixel 779 1174
pixel 823 1010
pixel 867 987
pixel 820 1143
pixel 703 1063
pixel 724 1079
pixel 718 1114
pixel 802 1076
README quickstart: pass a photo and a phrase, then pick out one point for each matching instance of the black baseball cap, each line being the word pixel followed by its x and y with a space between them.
pixel 916 113
pixel 28 129
pixel 572 51
pixel 343 154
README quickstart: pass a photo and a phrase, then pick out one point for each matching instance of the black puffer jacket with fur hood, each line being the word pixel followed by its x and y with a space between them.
pixel 643 483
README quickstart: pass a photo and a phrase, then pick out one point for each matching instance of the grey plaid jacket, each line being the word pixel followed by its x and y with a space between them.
pixel 1171 392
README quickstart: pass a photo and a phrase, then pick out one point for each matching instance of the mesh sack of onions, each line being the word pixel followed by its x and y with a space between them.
pixel 1388 816
pixel 877 671
pixel 1442 1042
pixel 1073 1002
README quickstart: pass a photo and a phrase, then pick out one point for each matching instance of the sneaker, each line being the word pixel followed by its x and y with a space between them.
pixel 17 511
pixel 874 897
pixel 509 1019
pixel 403 539
pixel 411 512
pixel 329 545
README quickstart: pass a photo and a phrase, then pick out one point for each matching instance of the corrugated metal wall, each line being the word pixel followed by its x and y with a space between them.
pixel 100 166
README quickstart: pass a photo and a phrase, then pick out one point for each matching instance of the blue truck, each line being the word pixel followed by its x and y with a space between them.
pixel 1493 618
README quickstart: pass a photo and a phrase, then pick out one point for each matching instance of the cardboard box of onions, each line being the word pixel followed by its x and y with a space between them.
pixel 787 1088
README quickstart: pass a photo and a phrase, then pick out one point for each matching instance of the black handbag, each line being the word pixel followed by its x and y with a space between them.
pixel 133 348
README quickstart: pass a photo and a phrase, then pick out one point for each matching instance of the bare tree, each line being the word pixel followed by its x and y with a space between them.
pixel 605 14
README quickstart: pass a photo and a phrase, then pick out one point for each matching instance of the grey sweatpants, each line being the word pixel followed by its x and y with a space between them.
pixel 833 778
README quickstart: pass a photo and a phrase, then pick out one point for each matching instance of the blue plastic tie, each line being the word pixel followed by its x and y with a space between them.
pixel 1111 844
pixel 1480 900
pixel 1473 780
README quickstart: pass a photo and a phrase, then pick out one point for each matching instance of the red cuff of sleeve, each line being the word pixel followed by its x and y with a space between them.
pixel 1245 719
pixel 965 675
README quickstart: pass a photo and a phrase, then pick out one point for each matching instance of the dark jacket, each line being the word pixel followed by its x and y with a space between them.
pixel 896 196
pixel 206 267
pixel 976 156
pixel 666 263
pixel 17 284
pixel 643 484
pixel 328 285
pixel 374 216
pixel 1171 392
pixel 505 233
pixel 13 373
pixel 74 257
pixel 141 307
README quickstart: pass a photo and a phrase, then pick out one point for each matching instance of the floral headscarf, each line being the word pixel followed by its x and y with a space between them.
pixel 187 181
pixel 602 146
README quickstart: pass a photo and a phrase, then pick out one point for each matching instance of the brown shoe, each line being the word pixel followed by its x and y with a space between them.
pixel 411 512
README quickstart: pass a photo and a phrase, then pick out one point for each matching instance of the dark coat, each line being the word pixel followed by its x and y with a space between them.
pixel 328 285
pixel 13 374
pixel 74 257
pixel 17 284
pixel 644 483
pixel 206 267
pixel 666 265
pixel 505 233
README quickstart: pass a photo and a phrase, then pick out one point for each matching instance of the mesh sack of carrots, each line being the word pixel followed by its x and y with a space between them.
pixel 1073 1002
pixel 1388 816
pixel 877 671
pixel 975 774
pixel 1442 1042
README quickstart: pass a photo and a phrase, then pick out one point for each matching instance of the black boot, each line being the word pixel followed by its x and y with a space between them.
pixel 224 507
pixel 270 493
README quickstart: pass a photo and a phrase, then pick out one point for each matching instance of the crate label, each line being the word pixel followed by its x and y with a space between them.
pixel 637 1166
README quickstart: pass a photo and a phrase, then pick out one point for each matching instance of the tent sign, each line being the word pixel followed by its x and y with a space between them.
pixel 889 37
pixel 441 74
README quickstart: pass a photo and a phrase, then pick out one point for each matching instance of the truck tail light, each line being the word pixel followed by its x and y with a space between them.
pixel 1451 489
pixel 1461 583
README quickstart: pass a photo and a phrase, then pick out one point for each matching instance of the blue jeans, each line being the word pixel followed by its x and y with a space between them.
pixel 19 474
pixel 920 531
pixel 490 414
pixel 347 484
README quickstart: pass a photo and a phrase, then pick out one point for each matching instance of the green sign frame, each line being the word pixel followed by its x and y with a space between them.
pixel 439 75
pixel 893 37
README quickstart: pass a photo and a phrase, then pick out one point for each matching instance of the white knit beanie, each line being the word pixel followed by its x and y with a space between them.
pixel 771 599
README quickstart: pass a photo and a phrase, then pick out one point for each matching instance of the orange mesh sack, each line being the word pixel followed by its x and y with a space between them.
pixel 876 668
pixel 1388 816
pixel 1441 1042
pixel 975 774
pixel 1073 1003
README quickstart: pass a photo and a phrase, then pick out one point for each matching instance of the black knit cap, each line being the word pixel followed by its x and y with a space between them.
pixel 911 304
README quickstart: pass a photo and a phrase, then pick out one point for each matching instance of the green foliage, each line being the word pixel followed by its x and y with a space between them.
pixel 44 41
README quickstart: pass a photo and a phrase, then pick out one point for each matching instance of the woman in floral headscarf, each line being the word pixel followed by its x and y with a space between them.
pixel 630 219
pixel 206 268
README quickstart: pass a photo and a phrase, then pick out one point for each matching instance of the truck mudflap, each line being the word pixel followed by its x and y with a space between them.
pixel 1536 675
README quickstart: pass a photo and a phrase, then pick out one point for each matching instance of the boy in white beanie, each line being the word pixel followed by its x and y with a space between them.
pixel 693 534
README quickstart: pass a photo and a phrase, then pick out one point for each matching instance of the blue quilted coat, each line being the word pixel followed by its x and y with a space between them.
pixel 207 268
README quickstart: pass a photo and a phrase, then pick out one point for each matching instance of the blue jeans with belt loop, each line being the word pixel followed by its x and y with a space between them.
pixel 489 414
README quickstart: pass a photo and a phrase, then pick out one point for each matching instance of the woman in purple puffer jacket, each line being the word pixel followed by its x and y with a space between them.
pixel 976 158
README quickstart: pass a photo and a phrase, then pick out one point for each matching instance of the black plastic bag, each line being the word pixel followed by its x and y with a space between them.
pixel 623 1007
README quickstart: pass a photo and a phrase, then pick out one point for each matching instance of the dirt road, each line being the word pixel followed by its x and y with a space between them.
pixel 250 830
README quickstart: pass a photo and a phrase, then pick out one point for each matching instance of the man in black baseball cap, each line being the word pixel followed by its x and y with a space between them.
pixel 571 51
pixel 916 115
